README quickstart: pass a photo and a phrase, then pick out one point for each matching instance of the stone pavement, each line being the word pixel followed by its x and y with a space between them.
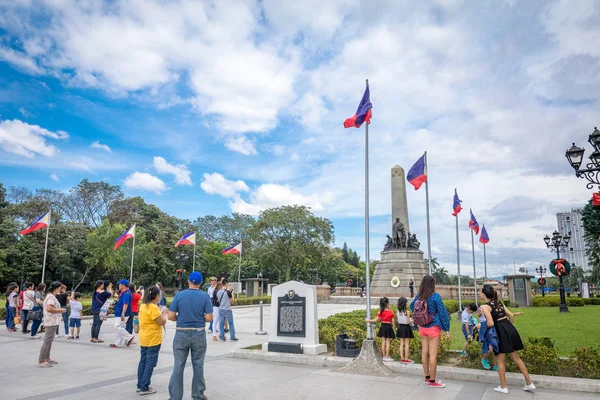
pixel 94 371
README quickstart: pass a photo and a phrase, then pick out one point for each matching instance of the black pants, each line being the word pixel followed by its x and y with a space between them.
pixel 96 324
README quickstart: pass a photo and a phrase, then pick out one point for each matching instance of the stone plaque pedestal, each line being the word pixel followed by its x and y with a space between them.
pixel 406 264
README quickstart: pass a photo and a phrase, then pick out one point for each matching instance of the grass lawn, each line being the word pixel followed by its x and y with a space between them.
pixel 578 328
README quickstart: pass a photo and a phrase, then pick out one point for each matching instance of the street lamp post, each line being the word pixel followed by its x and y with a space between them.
pixel 592 170
pixel 555 243
pixel 182 258
pixel 541 271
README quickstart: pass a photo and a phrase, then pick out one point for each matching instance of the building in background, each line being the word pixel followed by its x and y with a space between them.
pixel 569 223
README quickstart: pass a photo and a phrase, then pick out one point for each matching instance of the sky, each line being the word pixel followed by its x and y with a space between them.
pixel 209 107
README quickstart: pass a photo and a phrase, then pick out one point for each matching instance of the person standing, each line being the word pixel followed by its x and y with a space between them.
pixel 52 319
pixel 225 313
pixel 216 320
pixel 37 310
pixel 211 291
pixel 497 315
pixel 76 308
pixel 432 317
pixel 411 287
pixel 28 301
pixel 63 298
pixel 151 320
pixel 12 300
pixel 136 296
pixel 99 297
pixel 122 311
pixel 191 308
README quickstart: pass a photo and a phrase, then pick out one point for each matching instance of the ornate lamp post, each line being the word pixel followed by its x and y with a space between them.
pixel 555 243
pixel 592 170
pixel 181 258
pixel 542 281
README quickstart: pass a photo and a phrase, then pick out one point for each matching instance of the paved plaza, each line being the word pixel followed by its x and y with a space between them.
pixel 94 371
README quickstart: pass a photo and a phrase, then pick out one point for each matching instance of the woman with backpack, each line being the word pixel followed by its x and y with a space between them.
pixel 430 314
pixel 99 297
pixel 509 341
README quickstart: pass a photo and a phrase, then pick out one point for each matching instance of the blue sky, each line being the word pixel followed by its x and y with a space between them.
pixel 213 107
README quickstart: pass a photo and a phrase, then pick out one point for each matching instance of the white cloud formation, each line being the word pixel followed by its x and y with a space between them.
pixel 180 172
pixel 145 181
pixel 77 165
pixel 27 140
pixel 242 145
pixel 216 183
pixel 98 145
pixel 54 177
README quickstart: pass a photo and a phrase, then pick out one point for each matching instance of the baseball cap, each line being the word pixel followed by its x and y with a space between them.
pixel 123 282
pixel 195 277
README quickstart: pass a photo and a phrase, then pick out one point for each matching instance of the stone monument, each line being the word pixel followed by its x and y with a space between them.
pixel 294 320
pixel 401 259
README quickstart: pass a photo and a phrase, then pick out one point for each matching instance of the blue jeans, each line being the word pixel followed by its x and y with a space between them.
pixel 148 360
pixel 226 315
pixel 65 317
pixel 184 343
pixel 129 323
pixel 210 327
pixel 10 317
pixel 35 325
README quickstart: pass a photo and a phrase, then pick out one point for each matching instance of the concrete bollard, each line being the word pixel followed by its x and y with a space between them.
pixel 261 331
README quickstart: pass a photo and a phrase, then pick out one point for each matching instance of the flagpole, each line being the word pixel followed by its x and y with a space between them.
pixel 484 265
pixel 240 266
pixel 194 259
pixel 474 270
pixel 132 253
pixel 428 221
pixel 458 265
pixel 46 246
pixel 368 269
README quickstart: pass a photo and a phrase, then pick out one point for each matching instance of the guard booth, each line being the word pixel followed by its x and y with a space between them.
pixel 519 289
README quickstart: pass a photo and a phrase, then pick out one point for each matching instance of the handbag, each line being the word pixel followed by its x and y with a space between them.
pixel 34 315
pixel 17 320
pixel 136 324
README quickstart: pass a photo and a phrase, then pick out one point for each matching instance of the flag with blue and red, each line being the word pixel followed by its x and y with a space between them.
pixel 456 205
pixel 484 238
pixel 39 223
pixel 417 174
pixel 128 234
pixel 473 224
pixel 188 238
pixel 363 113
pixel 237 249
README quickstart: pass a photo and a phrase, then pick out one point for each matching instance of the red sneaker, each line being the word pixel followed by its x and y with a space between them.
pixel 436 384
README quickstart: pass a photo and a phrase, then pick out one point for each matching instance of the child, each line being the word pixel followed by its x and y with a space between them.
pixel 405 332
pixel 386 331
pixel 467 328
pixel 75 321
pixel 151 320
pixel 216 316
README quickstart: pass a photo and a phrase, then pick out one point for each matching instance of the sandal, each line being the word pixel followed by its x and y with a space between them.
pixel 45 365
pixel 216 339
pixel 99 341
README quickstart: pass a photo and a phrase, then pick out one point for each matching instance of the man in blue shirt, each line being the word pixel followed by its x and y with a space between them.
pixel 122 311
pixel 191 309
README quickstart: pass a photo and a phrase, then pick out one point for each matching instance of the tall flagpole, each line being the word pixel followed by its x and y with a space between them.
pixel 484 265
pixel 428 221
pixel 474 270
pixel 458 265
pixel 194 259
pixel 132 253
pixel 240 266
pixel 368 269
pixel 46 246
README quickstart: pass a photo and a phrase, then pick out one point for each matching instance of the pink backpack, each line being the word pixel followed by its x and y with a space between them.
pixel 421 315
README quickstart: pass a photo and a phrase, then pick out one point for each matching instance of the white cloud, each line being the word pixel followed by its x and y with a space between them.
pixel 98 145
pixel 145 181
pixel 77 165
pixel 217 184
pixel 25 113
pixel 54 177
pixel 180 172
pixel 241 144
pixel 20 138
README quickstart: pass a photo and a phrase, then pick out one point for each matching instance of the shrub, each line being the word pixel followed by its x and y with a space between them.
pixel 451 306
pixel 575 302
pixel 540 356
pixel 506 302
pixel 548 301
pixel 592 301
pixel 245 301
pixel 583 363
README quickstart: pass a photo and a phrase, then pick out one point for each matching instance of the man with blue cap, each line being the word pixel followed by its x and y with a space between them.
pixel 122 312
pixel 191 309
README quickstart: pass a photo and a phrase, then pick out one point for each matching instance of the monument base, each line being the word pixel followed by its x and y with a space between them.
pixel 406 264
pixel 368 362
pixel 307 349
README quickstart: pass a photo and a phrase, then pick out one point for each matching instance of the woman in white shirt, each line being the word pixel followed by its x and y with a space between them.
pixel 28 300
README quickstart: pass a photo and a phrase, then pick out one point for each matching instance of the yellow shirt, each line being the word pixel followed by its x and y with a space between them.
pixel 150 331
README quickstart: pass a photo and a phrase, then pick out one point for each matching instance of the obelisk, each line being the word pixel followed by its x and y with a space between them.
pixel 399 203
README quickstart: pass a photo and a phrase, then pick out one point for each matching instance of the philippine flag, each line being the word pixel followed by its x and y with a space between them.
pixel 188 238
pixel 473 224
pixel 363 112
pixel 484 238
pixel 456 205
pixel 39 223
pixel 127 235
pixel 237 249
pixel 417 174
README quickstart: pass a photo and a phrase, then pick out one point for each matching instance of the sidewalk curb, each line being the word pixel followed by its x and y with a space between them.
pixel 444 372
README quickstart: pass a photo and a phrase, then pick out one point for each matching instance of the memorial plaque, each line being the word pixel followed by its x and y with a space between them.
pixel 291 315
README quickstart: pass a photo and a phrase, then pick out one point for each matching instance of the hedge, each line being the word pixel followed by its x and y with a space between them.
pixel 554 301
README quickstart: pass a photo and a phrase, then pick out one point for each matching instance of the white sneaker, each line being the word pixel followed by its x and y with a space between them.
pixel 209 331
pixel 529 388
pixel 57 336
pixel 500 389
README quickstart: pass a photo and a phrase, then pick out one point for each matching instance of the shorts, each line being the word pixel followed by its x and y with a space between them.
pixel 75 323
pixel 432 332
pixel 467 333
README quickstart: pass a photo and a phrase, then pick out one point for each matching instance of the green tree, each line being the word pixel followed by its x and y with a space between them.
pixel 590 217
pixel 345 252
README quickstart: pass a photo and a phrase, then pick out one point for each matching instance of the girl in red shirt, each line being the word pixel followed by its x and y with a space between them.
pixel 386 331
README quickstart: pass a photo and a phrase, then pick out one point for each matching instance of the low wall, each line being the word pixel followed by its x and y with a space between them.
pixel 323 293
pixel 450 292
pixel 346 291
